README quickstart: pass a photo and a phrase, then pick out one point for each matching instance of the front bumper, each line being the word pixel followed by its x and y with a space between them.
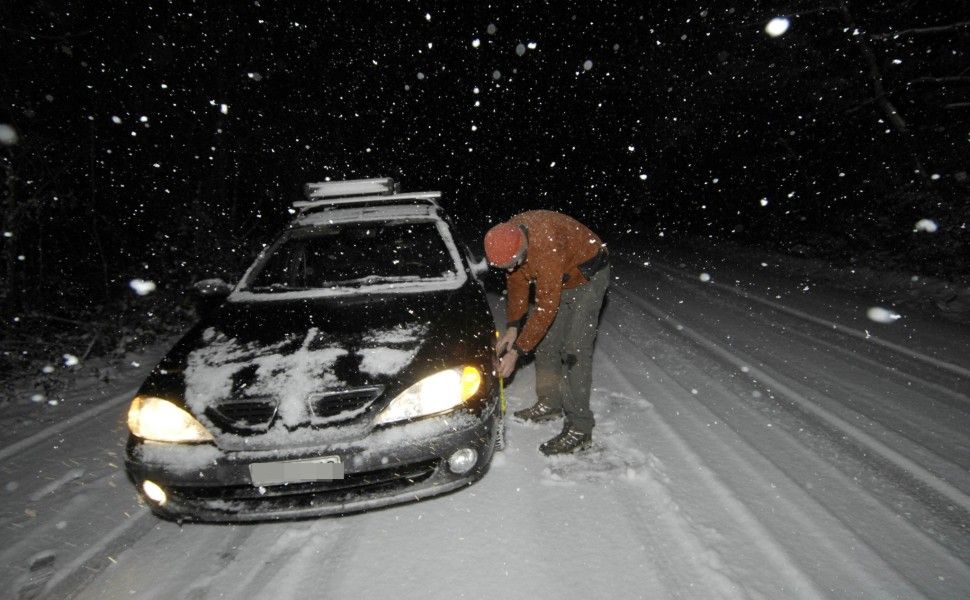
pixel 220 489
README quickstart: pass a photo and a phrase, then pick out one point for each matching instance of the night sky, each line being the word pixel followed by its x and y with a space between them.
pixel 166 139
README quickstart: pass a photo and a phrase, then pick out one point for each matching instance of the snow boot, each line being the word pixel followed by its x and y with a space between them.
pixel 570 440
pixel 537 413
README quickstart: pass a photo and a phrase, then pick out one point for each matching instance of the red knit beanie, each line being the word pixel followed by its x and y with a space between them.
pixel 502 243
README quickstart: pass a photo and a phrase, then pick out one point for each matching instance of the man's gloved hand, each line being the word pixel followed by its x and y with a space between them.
pixel 504 343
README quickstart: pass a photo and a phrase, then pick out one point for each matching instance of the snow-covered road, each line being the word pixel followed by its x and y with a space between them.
pixel 763 442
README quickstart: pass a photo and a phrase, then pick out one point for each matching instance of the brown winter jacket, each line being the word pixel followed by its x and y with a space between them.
pixel 558 247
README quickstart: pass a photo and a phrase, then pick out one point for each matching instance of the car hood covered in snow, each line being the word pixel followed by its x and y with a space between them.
pixel 287 351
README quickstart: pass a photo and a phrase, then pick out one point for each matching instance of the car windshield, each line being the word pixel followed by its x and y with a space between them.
pixel 359 253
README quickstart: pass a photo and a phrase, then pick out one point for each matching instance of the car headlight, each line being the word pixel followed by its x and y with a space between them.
pixel 437 393
pixel 159 420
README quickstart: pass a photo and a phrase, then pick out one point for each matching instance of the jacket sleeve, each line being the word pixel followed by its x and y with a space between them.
pixel 517 303
pixel 548 294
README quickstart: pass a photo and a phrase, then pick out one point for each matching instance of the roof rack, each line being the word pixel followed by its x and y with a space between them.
pixel 422 197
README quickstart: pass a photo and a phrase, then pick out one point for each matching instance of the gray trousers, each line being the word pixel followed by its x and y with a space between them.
pixel 564 357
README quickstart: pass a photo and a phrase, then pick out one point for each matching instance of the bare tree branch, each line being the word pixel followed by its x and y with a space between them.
pixel 39 36
pixel 94 339
pixel 47 317
pixel 875 75
pixel 920 30
pixel 860 106
pixel 951 79
pixel 879 91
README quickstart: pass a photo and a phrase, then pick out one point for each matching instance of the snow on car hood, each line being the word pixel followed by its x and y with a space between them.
pixel 288 356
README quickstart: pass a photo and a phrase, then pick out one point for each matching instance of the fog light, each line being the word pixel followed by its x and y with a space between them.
pixel 154 492
pixel 462 461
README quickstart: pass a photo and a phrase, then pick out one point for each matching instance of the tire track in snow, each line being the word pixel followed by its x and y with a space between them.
pixel 98 547
pixel 572 514
pixel 758 503
pixel 71 507
pixel 850 331
pixel 49 432
pixel 50 488
pixel 659 483
pixel 679 551
pixel 957 400
pixel 851 518
pixel 685 282
pixel 295 569
pixel 930 437
pixel 872 414
pixel 171 561
pixel 252 560
pixel 246 575
pixel 674 538
pixel 70 525
pixel 904 463
pixel 94 445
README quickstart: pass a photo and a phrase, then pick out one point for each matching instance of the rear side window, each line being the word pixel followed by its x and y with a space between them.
pixel 358 253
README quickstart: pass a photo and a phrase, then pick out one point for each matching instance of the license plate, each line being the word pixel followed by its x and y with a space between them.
pixel 324 468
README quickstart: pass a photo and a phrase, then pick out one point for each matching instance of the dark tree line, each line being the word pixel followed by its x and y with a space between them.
pixel 165 142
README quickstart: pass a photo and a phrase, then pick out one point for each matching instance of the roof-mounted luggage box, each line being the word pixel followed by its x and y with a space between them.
pixel 351 187
pixel 383 190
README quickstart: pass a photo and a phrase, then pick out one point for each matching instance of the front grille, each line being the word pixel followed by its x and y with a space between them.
pixel 345 405
pixel 246 414
pixel 295 495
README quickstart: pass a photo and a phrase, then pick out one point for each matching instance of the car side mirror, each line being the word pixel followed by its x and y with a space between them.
pixel 209 294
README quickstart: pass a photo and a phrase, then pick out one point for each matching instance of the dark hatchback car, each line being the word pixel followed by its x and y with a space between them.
pixel 350 368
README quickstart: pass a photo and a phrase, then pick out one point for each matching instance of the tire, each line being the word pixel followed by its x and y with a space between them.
pixel 500 434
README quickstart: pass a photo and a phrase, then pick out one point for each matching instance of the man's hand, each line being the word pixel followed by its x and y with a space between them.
pixel 504 343
pixel 506 364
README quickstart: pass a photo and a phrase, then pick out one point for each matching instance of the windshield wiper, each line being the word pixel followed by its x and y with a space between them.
pixel 278 287
pixel 372 279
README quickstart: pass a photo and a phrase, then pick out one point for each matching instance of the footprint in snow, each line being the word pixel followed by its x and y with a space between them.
pixel 40 570
pixel 607 459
